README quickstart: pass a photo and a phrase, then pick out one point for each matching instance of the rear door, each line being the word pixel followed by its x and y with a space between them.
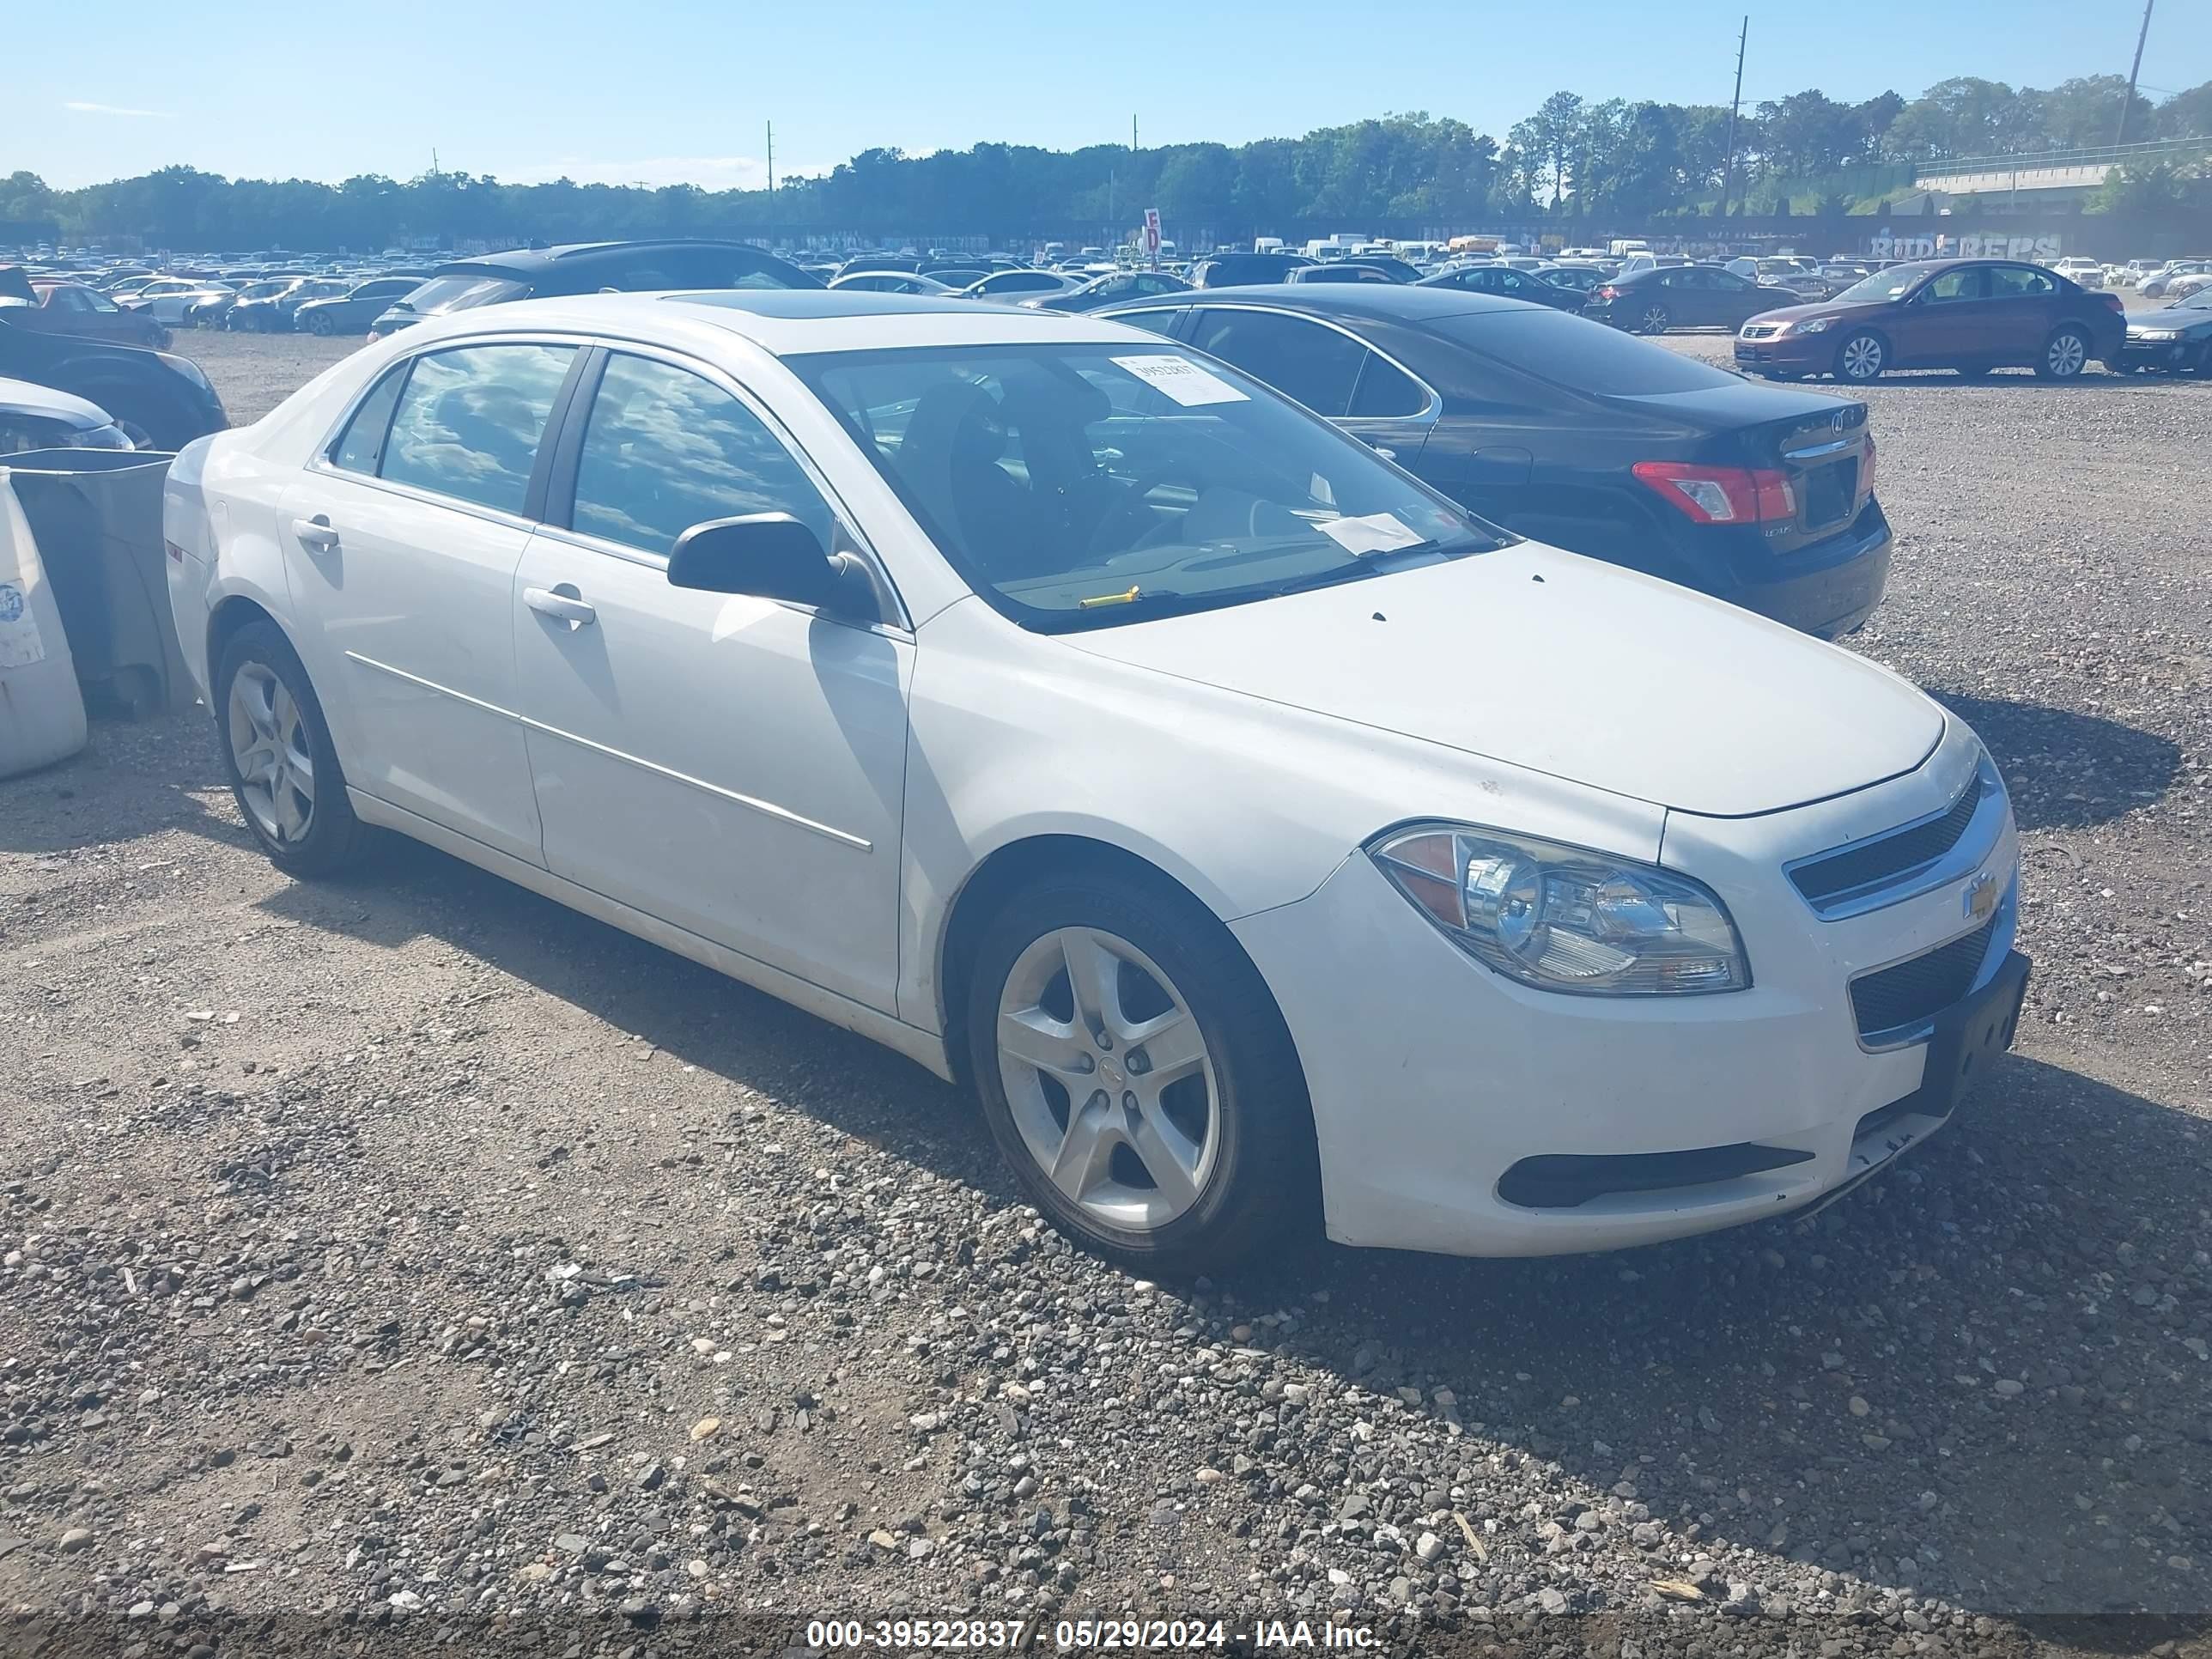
pixel 400 542
pixel 2022 308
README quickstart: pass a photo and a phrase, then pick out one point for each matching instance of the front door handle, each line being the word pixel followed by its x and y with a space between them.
pixel 563 602
pixel 315 534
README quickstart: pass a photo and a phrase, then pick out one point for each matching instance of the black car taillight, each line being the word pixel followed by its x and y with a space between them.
pixel 1720 495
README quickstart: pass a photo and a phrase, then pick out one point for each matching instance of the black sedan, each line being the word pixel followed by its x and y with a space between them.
pixel 2177 339
pixel 1110 290
pixel 1568 433
pixel 160 401
pixel 1683 296
pixel 1506 283
pixel 352 312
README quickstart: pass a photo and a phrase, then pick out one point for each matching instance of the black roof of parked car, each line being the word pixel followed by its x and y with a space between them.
pixel 572 261
pixel 1404 302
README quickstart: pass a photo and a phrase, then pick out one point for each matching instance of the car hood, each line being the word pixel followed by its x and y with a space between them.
pixel 54 405
pixel 1820 308
pixel 1564 665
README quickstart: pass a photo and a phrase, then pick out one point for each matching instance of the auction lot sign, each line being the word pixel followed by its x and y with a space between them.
pixel 1943 245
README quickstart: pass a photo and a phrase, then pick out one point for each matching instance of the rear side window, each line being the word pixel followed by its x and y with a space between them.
pixel 665 449
pixel 360 447
pixel 2020 283
pixel 1582 356
pixel 1317 366
pixel 468 421
pixel 1384 390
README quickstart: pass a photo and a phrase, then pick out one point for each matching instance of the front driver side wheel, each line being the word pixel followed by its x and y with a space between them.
pixel 1861 358
pixel 276 750
pixel 1137 1075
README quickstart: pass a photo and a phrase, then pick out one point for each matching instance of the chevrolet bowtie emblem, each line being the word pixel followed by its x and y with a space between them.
pixel 1980 897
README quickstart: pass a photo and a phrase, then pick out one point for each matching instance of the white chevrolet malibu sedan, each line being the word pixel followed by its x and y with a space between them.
pixel 1255 832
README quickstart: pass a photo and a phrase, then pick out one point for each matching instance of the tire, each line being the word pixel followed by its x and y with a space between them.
pixel 1861 357
pixel 2064 355
pixel 1654 318
pixel 297 808
pixel 158 337
pixel 1231 1130
pixel 318 323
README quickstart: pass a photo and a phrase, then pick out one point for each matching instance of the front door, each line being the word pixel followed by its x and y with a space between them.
pixel 400 544
pixel 1947 321
pixel 732 765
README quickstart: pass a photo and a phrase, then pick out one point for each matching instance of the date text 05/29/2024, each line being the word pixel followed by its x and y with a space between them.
pixel 1087 1635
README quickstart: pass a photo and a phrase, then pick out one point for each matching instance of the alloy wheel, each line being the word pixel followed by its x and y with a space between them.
pixel 1655 320
pixel 270 746
pixel 1109 1078
pixel 1862 358
pixel 2066 354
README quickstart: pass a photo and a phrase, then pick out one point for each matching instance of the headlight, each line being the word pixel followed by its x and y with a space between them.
pixel 2156 334
pixel 1814 326
pixel 1562 918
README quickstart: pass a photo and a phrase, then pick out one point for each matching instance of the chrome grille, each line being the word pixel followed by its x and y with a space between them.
pixel 1831 881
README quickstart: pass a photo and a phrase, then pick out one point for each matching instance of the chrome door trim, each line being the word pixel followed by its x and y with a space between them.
pixel 766 808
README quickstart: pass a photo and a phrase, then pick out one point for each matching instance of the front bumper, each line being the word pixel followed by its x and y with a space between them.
pixel 1788 354
pixel 1438 1087
pixel 2136 353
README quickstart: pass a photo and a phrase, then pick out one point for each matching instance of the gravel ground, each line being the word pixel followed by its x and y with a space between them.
pixel 383 1252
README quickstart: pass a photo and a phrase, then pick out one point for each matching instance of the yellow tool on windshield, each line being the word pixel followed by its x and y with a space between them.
pixel 1107 598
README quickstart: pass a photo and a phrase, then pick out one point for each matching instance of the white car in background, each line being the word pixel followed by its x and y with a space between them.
pixel 171 298
pixel 2084 271
pixel 1255 831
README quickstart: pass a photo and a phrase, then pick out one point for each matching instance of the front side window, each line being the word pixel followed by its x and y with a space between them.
pixel 469 422
pixel 463 289
pixel 1079 487
pixel 1317 366
pixel 664 449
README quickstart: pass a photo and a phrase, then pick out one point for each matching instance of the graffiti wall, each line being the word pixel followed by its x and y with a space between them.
pixel 1995 245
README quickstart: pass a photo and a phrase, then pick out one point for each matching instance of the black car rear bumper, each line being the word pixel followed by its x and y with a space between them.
pixel 1828 589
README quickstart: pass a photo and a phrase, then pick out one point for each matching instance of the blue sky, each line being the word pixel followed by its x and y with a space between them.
pixel 668 90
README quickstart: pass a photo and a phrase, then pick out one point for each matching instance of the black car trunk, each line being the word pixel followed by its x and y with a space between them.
pixel 1818 445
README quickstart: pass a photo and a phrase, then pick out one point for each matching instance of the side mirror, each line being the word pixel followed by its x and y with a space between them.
pixel 771 555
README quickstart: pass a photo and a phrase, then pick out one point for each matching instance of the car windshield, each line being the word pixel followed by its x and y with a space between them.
pixel 1085 486
pixel 2200 301
pixel 1883 286
pixel 461 290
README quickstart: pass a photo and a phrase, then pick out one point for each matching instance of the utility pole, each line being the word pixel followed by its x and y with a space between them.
pixel 1728 181
pixel 771 158
pixel 2129 103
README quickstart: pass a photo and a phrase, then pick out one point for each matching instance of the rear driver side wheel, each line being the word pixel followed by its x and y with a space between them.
pixel 1137 1075
pixel 276 750
pixel 2065 355
pixel 1655 319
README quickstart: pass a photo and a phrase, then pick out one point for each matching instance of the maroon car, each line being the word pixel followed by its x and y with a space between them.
pixel 1966 314
pixel 73 308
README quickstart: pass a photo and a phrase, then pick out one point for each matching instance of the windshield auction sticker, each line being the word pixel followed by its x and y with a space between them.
pixel 1183 380
pixel 1372 532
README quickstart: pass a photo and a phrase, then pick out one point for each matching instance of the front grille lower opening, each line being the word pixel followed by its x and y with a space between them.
pixel 1564 1181
pixel 1916 990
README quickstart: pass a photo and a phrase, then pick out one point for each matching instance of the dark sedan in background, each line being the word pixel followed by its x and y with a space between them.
pixel 1506 283
pixel 1245 270
pixel 1682 297
pixel 160 401
pixel 590 267
pixel 72 308
pixel 352 312
pixel 1572 433
pixel 1968 314
pixel 2177 339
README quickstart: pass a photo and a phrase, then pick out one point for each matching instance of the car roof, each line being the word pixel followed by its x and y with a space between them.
pixel 790 322
pixel 533 259
pixel 1406 302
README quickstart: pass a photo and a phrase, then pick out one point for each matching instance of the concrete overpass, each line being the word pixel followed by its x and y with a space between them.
pixel 2053 170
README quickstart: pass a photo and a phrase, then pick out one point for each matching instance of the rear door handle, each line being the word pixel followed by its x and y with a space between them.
pixel 315 534
pixel 563 602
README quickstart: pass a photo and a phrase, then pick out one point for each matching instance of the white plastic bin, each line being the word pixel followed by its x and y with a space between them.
pixel 41 710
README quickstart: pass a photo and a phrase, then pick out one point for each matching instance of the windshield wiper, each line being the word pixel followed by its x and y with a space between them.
pixel 1354 566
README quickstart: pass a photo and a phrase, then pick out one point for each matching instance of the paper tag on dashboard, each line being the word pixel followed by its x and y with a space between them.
pixel 1183 380
pixel 1377 532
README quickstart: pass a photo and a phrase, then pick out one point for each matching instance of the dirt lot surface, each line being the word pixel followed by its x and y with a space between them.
pixel 384 1252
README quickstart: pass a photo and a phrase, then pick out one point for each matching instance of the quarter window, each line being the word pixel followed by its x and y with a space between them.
pixel 1385 390
pixel 469 422
pixel 665 449
pixel 360 448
